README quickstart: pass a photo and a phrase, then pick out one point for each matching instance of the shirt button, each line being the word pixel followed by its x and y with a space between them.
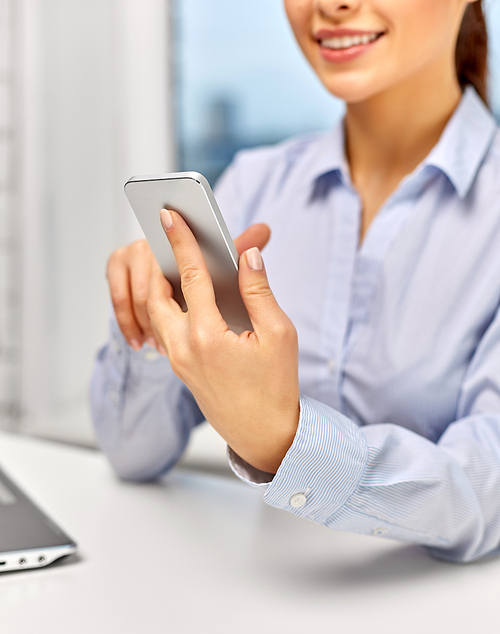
pixel 151 355
pixel 298 500
pixel 331 366
pixel 379 531
pixel 117 346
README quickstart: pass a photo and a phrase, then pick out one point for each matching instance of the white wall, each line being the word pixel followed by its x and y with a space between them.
pixel 95 111
pixel 10 362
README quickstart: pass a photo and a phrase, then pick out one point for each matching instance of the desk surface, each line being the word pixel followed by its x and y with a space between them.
pixel 203 553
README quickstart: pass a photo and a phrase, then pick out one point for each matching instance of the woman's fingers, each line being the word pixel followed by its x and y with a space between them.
pixel 130 269
pixel 196 282
pixel 268 319
pixel 165 314
pixel 121 296
pixel 141 265
pixel 255 236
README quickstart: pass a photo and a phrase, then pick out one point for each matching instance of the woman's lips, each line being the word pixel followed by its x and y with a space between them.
pixel 344 45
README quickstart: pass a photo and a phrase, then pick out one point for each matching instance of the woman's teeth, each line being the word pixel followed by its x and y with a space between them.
pixel 348 41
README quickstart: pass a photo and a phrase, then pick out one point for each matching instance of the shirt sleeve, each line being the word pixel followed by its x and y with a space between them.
pixel 386 480
pixel 143 414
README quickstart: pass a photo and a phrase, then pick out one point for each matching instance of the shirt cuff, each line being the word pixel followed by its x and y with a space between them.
pixel 252 476
pixel 146 362
pixel 322 468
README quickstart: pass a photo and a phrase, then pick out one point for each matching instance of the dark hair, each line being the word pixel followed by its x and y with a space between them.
pixel 471 53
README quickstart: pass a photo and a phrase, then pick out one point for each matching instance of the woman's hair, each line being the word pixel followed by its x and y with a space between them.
pixel 471 54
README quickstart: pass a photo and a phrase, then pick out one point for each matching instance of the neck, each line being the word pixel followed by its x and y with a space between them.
pixel 389 134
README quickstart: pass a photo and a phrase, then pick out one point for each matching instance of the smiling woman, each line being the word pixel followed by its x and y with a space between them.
pixel 367 395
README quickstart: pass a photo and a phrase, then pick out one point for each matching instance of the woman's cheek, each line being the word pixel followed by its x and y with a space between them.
pixel 299 13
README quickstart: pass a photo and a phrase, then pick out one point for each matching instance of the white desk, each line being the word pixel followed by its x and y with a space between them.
pixel 198 553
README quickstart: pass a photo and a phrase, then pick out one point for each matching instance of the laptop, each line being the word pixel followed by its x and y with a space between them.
pixel 28 538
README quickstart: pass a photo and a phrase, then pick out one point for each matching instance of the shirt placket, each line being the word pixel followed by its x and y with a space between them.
pixel 368 264
pixel 344 237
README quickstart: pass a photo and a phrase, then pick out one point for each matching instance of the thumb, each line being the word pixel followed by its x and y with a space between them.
pixel 263 309
pixel 255 236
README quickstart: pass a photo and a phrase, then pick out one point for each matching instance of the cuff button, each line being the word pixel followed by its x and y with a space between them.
pixel 298 500
pixel 151 355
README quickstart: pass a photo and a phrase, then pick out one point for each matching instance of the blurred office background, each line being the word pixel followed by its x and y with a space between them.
pixel 91 93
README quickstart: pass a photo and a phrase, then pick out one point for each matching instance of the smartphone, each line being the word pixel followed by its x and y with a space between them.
pixel 189 194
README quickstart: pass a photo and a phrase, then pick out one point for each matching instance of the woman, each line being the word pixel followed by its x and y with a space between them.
pixel 385 259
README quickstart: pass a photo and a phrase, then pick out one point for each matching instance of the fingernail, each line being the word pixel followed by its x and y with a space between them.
pixel 135 344
pixel 254 259
pixel 166 219
pixel 151 341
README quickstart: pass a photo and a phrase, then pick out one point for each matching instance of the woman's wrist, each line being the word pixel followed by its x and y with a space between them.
pixel 267 451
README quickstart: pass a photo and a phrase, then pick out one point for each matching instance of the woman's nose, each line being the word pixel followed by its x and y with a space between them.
pixel 336 8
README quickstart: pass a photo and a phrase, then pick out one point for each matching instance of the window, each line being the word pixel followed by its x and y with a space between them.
pixel 241 82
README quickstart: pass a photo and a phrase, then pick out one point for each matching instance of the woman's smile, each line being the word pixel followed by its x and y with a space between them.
pixel 343 45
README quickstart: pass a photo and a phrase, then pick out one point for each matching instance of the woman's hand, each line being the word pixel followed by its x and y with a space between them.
pixel 129 271
pixel 246 385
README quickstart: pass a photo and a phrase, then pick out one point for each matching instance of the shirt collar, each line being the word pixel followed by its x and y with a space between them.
pixel 458 153
pixel 329 154
pixel 464 142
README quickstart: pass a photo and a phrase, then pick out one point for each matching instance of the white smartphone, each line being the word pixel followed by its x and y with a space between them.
pixel 189 194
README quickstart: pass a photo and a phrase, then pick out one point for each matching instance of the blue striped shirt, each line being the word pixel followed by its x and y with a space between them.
pixel 399 343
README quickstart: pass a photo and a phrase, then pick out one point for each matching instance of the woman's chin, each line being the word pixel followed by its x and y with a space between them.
pixel 352 92
pixel 355 87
